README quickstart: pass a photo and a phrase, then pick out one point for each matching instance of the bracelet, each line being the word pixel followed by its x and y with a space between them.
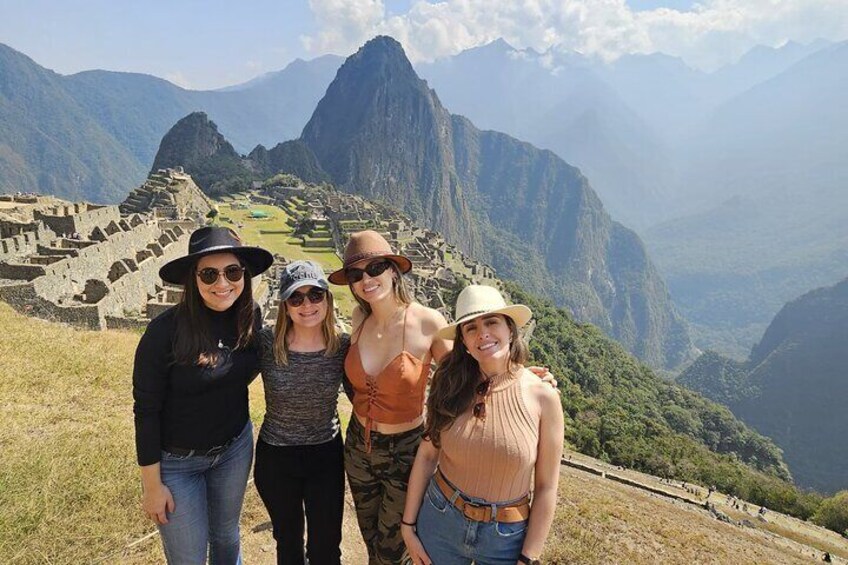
pixel 410 524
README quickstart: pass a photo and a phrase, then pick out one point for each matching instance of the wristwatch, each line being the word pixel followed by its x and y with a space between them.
pixel 527 561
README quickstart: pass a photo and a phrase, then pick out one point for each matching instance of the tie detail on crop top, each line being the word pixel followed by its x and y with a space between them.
pixel 396 394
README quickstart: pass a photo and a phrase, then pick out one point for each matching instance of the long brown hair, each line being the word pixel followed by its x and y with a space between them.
pixel 452 389
pixel 399 290
pixel 284 326
pixel 193 342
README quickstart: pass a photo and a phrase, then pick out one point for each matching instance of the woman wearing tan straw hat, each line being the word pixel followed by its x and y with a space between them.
pixel 494 433
pixel 388 366
pixel 194 439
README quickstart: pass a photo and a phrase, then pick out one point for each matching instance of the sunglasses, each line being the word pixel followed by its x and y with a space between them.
pixel 234 273
pixel 315 296
pixel 482 389
pixel 374 269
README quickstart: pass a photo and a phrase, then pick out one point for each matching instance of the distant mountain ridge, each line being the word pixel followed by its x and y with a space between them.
pixel 93 135
pixel 793 387
pixel 381 132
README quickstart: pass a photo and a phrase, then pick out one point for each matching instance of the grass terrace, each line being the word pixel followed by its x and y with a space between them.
pixel 274 234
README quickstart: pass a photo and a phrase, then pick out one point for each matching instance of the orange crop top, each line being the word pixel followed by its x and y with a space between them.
pixel 394 396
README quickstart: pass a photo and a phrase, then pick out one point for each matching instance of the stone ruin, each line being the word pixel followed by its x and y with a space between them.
pixel 439 270
pixel 170 194
pixel 97 266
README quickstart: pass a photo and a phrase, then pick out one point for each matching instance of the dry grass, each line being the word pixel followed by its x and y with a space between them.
pixel 601 521
pixel 69 478
pixel 69 485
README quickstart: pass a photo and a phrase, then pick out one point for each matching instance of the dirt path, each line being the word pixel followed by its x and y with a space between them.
pixel 258 543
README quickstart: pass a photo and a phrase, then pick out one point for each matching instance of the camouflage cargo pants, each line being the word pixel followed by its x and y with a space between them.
pixel 378 482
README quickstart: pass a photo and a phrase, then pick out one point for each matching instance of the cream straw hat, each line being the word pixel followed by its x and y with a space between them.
pixel 478 300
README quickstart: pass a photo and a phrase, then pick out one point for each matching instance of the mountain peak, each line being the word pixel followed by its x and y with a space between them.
pixel 193 143
pixel 380 56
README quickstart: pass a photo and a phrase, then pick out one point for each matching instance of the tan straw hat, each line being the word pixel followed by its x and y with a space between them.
pixel 478 300
pixel 368 244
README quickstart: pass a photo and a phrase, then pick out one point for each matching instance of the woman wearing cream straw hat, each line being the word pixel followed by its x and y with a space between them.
pixel 493 434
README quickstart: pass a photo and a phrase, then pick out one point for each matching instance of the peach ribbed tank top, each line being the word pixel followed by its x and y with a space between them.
pixel 493 459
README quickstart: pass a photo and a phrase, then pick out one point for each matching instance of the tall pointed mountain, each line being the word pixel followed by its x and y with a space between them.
pixel 195 144
pixel 381 132
pixel 794 385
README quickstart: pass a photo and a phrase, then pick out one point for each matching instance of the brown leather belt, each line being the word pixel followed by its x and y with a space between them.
pixel 515 512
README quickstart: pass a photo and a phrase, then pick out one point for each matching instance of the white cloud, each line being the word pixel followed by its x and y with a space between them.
pixel 713 32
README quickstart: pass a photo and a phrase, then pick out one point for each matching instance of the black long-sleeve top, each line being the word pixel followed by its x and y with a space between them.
pixel 189 406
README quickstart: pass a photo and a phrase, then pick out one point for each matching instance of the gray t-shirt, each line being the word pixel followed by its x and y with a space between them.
pixel 301 397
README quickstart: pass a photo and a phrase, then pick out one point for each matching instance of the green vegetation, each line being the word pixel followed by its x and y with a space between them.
pixel 793 386
pixel 619 411
pixel 281 179
pixel 833 513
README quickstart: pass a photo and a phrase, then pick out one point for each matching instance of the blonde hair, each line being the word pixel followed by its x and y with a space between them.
pixel 399 290
pixel 284 325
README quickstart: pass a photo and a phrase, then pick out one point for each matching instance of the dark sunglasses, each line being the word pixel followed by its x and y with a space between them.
pixel 374 269
pixel 315 296
pixel 482 389
pixel 234 273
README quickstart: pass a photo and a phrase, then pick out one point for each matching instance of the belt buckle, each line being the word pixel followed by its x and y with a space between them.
pixel 217 450
pixel 477 512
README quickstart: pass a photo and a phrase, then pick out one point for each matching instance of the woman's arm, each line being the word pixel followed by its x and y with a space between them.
pixel 422 471
pixel 551 429
pixel 156 497
pixel 150 376
pixel 434 322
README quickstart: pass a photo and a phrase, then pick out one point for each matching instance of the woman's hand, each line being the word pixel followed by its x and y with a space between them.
pixel 156 502
pixel 545 374
pixel 414 546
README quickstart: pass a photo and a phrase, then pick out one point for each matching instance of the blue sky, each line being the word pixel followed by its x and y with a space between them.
pixel 214 43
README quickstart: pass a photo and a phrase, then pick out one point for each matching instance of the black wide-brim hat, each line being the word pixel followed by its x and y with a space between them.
pixel 209 240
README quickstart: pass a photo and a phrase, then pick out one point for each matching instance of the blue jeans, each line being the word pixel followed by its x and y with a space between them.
pixel 449 538
pixel 208 495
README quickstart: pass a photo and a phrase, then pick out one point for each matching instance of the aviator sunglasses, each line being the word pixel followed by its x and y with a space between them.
pixel 315 296
pixel 482 389
pixel 374 269
pixel 234 273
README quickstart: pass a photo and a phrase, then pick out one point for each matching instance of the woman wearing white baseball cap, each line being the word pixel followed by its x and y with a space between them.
pixel 299 466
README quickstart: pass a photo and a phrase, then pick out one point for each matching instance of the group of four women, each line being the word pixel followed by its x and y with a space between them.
pixel 452 487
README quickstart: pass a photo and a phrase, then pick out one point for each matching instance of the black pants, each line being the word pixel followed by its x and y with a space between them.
pixel 311 477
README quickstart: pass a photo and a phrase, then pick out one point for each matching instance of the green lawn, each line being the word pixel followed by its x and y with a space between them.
pixel 283 243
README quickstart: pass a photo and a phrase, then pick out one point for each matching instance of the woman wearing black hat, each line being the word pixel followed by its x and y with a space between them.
pixel 299 455
pixel 192 369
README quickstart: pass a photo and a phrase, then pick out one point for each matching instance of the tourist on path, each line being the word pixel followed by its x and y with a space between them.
pixel 494 432
pixel 192 369
pixel 393 342
pixel 299 454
